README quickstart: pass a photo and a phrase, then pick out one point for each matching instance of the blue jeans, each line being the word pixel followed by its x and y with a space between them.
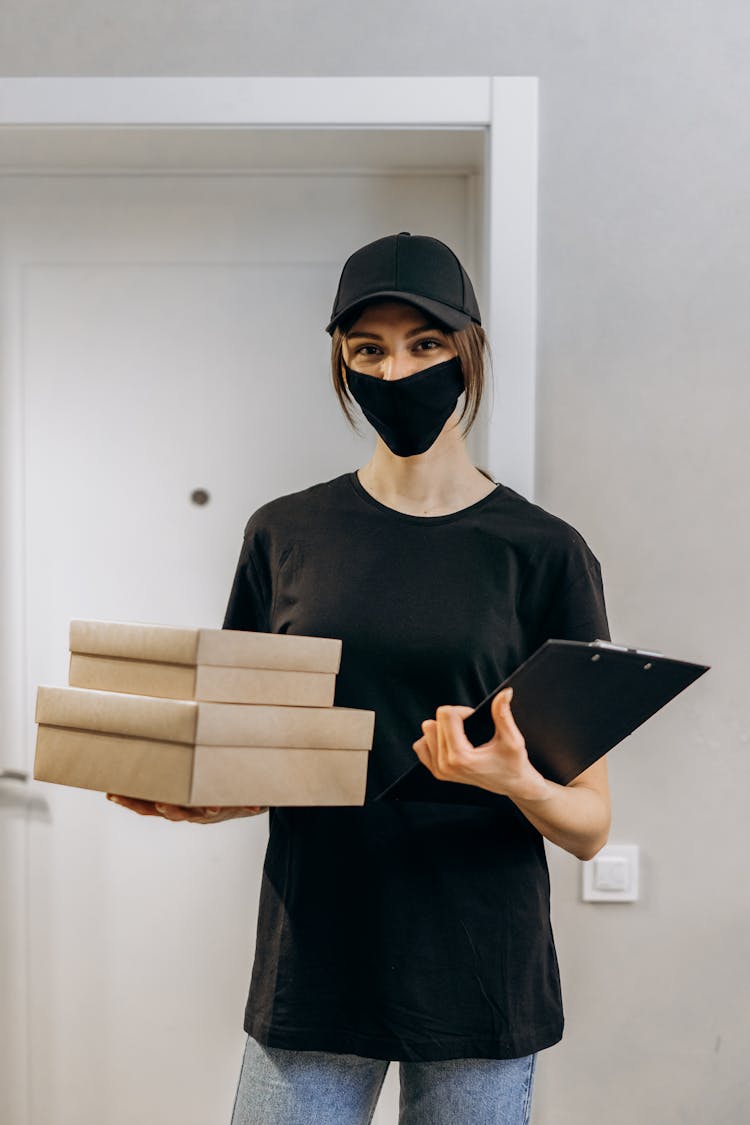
pixel 284 1087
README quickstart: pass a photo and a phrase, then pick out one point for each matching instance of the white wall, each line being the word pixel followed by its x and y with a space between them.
pixel 643 393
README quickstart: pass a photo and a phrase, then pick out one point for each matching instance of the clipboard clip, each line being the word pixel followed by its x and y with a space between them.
pixel 624 648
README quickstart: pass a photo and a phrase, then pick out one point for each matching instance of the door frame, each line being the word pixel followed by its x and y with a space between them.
pixel 504 109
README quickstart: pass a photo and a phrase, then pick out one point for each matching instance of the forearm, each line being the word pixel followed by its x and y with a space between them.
pixel 575 818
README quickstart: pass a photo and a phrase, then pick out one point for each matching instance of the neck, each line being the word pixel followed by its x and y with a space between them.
pixel 441 477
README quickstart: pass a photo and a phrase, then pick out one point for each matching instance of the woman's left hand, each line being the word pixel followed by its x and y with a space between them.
pixel 500 765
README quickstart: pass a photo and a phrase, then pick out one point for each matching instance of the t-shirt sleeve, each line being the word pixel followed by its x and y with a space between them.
pixel 250 597
pixel 564 595
pixel 578 612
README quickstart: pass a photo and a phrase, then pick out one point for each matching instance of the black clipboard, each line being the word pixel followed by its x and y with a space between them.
pixel 574 701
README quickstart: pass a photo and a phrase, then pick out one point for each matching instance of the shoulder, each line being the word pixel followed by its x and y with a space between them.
pixel 551 543
pixel 561 592
pixel 293 509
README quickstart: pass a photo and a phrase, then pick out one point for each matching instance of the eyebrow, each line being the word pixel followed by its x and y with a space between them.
pixel 414 332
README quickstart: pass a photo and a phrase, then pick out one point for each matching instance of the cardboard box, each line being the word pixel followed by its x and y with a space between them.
pixel 193 774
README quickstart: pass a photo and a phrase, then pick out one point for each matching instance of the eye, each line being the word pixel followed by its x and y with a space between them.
pixel 362 349
pixel 434 344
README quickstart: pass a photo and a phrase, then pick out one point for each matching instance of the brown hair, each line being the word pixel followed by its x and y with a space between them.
pixel 472 347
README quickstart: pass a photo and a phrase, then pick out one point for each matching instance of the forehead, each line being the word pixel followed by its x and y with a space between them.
pixel 391 313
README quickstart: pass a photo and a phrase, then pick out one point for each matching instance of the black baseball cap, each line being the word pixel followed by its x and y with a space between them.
pixel 411 267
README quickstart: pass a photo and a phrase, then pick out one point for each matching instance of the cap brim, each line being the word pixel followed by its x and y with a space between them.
pixel 443 314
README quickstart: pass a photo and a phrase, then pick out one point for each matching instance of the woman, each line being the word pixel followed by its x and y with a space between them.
pixel 416 927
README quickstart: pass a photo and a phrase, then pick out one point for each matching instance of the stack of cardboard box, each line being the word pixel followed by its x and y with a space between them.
pixel 203 717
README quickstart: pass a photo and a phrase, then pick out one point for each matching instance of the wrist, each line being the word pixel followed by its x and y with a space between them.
pixel 531 788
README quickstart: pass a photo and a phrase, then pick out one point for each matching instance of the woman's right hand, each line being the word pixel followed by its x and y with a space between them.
pixel 198 814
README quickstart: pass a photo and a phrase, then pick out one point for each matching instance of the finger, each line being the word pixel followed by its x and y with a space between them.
pixel 209 816
pixel 505 725
pixel 501 706
pixel 429 734
pixel 145 808
pixel 450 730
pixel 176 812
pixel 427 746
pixel 422 749
pixel 444 740
pixel 214 815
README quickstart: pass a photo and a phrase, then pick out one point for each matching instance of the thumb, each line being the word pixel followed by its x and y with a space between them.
pixel 501 704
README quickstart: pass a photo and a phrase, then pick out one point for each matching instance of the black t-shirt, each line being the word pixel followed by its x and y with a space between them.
pixel 410 929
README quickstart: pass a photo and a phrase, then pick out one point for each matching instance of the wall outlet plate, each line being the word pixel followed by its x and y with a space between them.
pixel 612 875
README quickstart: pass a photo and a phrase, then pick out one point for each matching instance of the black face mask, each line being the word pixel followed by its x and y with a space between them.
pixel 409 413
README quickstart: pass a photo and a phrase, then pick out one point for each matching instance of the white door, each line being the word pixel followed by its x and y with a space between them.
pixel 162 334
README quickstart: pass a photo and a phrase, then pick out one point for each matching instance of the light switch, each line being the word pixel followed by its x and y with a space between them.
pixel 612 875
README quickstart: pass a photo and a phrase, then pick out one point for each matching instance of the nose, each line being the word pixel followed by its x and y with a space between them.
pixel 398 366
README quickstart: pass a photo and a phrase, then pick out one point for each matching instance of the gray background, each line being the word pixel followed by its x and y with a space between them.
pixel 644 243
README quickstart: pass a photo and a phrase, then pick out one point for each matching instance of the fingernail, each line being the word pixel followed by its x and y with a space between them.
pixel 212 812
pixel 508 694
pixel 115 799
